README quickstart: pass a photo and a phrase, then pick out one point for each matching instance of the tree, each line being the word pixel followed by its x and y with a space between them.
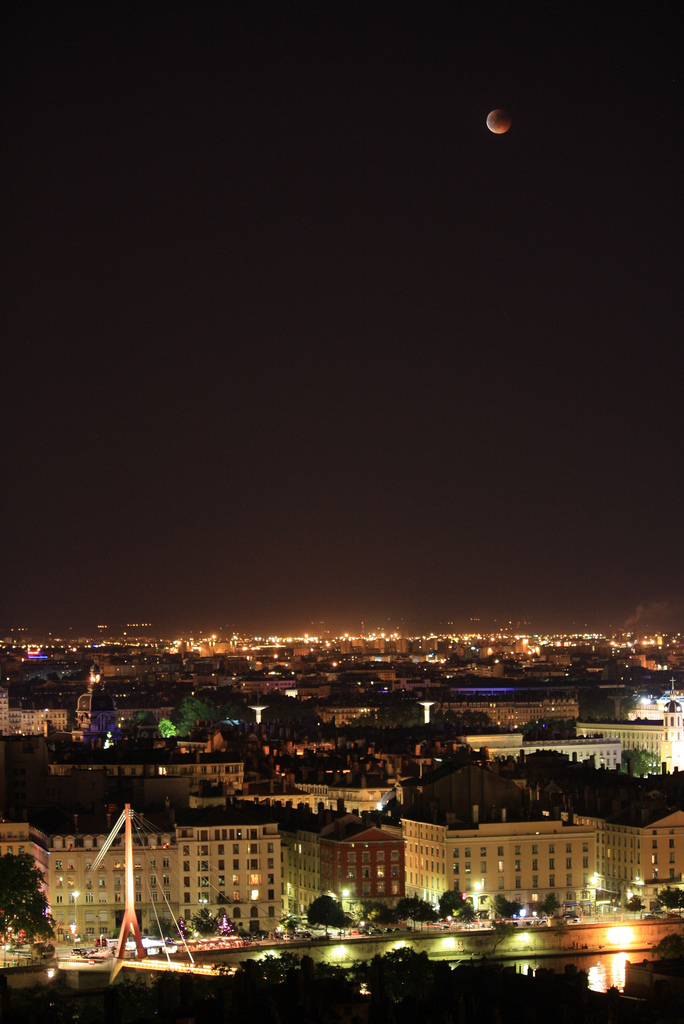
pixel 166 728
pixel 670 897
pixel 23 903
pixel 451 903
pixel 467 913
pixel 635 904
pixel 506 908
pixel 425 912
pixel 327 911
pixel 561 930
pixel 204 922
pixel 502 930
pixel 551 905
pixel 671 947
pixel 406 907
pixel 189 712
pixel 225 925
pixel 410 908
pixel 377 912
pixel 643 762
pixel 274 968
pixel 289 923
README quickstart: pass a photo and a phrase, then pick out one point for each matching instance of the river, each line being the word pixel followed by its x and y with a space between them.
pixel 604 970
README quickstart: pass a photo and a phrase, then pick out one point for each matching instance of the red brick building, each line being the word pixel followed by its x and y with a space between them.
pixel 361 862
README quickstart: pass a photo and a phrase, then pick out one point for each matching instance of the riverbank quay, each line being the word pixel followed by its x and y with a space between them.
pixel 624 936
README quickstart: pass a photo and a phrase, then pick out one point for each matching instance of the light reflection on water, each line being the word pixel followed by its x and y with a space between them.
pixel 604 970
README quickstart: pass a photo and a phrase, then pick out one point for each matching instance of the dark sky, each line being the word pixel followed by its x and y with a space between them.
pixel 290 337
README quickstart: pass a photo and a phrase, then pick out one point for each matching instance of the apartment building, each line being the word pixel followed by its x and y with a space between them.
pixel 229 858
pixel 513 714
pixel 23 767
pixel 34 721
pixel 196 770
pixel 356 793
pixel 638 852
pixel 88 902
pixel 521 860
pixel 361 862
pixel 4 713
pixel 301 860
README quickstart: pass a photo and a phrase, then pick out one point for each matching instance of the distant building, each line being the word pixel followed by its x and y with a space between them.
pixel 603 751
pixel 4 713
pixel 96 715
pixel 513 714
pixel 663 739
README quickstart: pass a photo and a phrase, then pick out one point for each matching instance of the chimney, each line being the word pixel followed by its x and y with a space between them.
pixel 476 814
pixel 503 814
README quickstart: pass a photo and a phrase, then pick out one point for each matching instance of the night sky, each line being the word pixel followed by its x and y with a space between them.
pixel 292 341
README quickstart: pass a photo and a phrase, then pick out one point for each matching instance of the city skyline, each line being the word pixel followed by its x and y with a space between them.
pixel 292 337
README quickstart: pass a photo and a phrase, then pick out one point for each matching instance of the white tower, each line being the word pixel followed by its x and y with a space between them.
pixel 257 709
pixel 426 705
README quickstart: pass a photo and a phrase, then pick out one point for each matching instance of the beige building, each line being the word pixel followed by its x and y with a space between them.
pixel 34 721
pixel 4 714
pixel 638 852
pixel 230 859
pixel 89 903
pixel 301 859
pixel 513 714
pixel 521 860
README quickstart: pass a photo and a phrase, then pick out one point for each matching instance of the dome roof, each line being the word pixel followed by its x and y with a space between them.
pixel 674 708
pixel 94 701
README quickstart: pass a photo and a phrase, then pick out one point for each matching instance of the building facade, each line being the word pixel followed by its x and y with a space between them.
pixel 523 861
pixel 88 903
pixel 663 739
pixel 301 884
pixel 361 863
pixel 229 859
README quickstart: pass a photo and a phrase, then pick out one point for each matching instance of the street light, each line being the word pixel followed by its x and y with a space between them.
pixel 72 927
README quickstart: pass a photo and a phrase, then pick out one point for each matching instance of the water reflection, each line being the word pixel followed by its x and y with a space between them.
pixel 604 970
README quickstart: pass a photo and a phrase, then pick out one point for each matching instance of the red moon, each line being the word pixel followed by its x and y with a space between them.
pixel 498 121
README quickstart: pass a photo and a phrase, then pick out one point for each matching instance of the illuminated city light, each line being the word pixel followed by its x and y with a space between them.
pixel 620 936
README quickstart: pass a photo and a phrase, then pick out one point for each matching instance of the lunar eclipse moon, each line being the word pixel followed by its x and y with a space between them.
pixel 498 121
